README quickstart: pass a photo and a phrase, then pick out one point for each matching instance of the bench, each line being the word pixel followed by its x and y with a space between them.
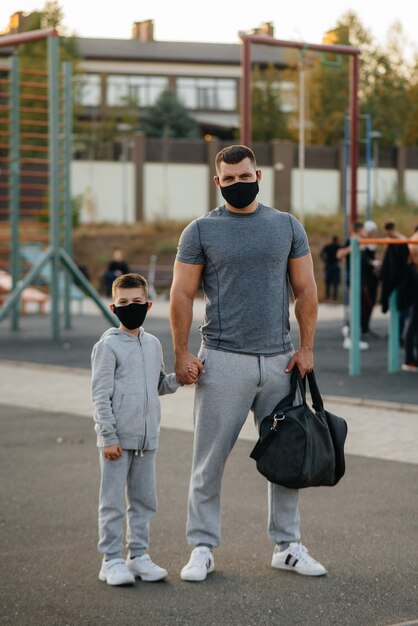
pixel 31 254
pixel 30 295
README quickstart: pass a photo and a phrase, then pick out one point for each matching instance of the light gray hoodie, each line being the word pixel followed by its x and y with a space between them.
pixel 127 378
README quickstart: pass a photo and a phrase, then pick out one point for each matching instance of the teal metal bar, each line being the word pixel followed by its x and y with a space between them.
pixel 14 180
pixel 355 304
pixel 54 195
pixel 78 274
pixel 394 338
pixel 67 155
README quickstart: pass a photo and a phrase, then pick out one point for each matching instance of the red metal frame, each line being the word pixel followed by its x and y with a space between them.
pixel 354 54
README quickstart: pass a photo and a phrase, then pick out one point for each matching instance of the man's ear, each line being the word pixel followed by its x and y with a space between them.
pixel 216 179
pixel 258 174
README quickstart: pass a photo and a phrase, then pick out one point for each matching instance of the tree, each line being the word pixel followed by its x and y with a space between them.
pixel 169 118
pixel 268 119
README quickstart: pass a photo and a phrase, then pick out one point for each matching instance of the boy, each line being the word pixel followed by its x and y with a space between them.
pixel 127 377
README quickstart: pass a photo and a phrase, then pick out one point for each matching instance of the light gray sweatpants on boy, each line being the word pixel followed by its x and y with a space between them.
pixel 129 479
pixel 231 386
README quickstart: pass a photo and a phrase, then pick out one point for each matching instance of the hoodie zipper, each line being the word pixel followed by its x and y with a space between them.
pixel 141 451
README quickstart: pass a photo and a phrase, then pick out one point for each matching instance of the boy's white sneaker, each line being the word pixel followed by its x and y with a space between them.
pixel 296 559
pixel 115 572
pixel 201 563
pixel 143 567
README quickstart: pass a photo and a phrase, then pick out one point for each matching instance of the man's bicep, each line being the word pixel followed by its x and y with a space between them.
pixel 301 273
pixel 186 278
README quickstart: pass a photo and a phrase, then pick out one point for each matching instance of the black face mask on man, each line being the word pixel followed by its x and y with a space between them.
pixel 131 315
pixel 240 195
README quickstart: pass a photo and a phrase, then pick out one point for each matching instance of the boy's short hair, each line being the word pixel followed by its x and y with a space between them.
pixel 233 155
pixel 129 281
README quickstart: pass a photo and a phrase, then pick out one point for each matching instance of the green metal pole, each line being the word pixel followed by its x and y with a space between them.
pixel 355 304
pixel 14 180
pixel 54 195
pixel 393 346
pixel 68 213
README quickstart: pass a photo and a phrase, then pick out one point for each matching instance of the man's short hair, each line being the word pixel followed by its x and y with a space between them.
pixel 233 155
pixel 390 225
pixel 357 226
pixel 129 281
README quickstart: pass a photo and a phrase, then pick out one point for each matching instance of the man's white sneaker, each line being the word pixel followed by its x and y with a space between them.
pixel 115 572
pixel 296 559
pixel 143 567
pixel 201 563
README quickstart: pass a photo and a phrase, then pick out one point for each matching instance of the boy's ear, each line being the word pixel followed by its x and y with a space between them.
pixel 149 304
pixel 112 307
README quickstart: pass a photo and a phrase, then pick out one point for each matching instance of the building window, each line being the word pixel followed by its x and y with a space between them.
pixel 88 90
pixel 208 93
pixel 144 90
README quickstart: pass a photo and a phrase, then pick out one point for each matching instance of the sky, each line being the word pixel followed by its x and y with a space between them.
pixel 221 20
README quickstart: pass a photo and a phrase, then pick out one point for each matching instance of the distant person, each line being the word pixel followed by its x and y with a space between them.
pixel 332 272
pixel 117 266
pixel 411 338
pixel 127 377
pixel 393 274
pixel 368 275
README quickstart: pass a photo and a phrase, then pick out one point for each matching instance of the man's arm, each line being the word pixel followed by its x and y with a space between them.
pixel 186 281
pixel 303 283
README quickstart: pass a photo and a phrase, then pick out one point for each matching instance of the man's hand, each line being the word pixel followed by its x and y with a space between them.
pixel 303 359
pixel 111 453
pixel 187 368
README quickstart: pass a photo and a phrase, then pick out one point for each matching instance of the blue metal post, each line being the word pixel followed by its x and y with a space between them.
pixel 393 344
pixel 54 195
pixel 14 180
pixel 68 213
pixel 355 304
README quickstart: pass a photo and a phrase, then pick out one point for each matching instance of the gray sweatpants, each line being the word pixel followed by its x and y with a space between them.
pixel 127 485
pixel 232 385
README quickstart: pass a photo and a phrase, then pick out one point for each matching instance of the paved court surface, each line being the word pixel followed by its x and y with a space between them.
pixel 364 530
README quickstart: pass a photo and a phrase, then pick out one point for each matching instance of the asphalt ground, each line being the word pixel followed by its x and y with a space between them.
pixel 364 531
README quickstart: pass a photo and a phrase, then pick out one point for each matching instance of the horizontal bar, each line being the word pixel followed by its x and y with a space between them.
pixel 29 83
pixel 35 148
pixel 32 35
pixel 33 110
pixel 384 241
pixel 266 40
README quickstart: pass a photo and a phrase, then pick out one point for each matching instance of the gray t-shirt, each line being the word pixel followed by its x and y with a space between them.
pixel 245 276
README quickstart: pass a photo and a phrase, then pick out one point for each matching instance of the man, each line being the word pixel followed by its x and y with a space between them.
pixel 332 272
pixel 243 254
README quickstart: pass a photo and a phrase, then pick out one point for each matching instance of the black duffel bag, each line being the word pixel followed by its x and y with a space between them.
pixel 298 447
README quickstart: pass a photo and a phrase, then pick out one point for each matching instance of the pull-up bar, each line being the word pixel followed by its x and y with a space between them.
pixel 351 51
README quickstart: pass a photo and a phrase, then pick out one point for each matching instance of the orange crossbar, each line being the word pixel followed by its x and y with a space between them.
pixel 384 241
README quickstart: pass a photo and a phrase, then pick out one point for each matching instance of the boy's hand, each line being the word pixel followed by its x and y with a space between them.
pixel 193 371
pixel 111 453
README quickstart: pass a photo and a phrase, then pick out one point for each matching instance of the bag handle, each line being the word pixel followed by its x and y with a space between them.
pixel 317 402
pixel 295 382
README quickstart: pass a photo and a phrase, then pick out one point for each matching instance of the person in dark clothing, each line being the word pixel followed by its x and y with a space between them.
pixel 332 271
pixel 117 266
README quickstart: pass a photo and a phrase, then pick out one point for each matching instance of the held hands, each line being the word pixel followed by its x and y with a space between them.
pixel 111 453
pixel 303 359
pixel 187 368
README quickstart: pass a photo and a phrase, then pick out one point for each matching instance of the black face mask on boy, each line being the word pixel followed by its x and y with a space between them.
pixel 131 315
pixel 240 195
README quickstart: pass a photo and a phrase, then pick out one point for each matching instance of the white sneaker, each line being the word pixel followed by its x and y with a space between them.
pixel 115 572
pixel 201 563
pixel 296 559
pixel 347 344
pixel 143 567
